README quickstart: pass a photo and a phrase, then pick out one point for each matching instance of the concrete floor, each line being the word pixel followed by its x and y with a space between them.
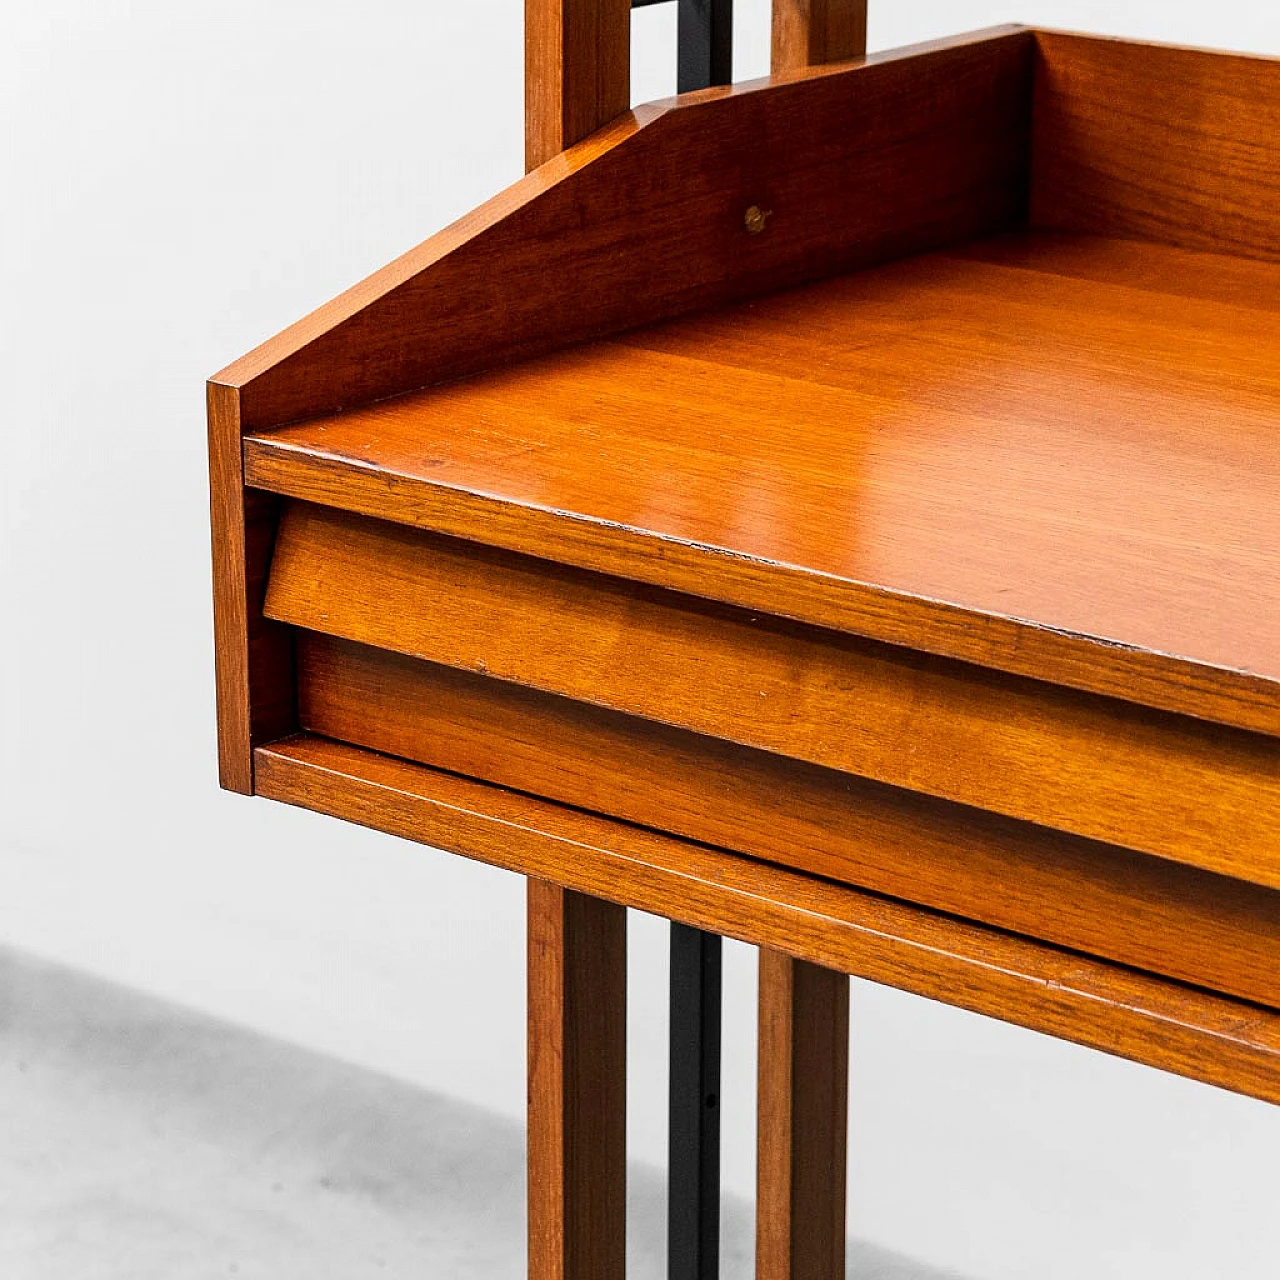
pixel 144 1142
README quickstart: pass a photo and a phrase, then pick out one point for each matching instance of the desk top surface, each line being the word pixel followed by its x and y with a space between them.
pixel 1077 436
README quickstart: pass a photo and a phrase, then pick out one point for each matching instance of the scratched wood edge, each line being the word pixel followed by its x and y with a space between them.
pixel 305 340
pixel 1164 682
pixel 1179 1029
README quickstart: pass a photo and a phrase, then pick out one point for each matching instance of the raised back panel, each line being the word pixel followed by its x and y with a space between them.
pixel 1163 144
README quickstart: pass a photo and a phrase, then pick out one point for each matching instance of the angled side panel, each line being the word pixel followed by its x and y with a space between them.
pixel 903 153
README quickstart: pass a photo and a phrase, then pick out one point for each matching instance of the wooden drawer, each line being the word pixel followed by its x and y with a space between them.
pixel 1164 785
pixel 1106 901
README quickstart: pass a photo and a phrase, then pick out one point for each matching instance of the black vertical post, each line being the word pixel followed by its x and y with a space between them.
pixel 705 44
pixel 693 1160
pixel 705 51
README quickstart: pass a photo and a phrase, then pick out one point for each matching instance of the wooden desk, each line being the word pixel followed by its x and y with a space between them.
pixel 892 581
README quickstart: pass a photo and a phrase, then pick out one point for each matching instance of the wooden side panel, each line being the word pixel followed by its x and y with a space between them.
pixel 253 657
pixel 1108 902
pixel 1164 144
pixel 577 71
pixel 577 1084
pixel 1163 785
pixel 803 1101
pixel 1163 1024
pixel 904 153
pixel 807 33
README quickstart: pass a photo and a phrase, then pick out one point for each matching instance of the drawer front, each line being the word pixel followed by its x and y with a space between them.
pixel 1095 767
pixel 1109 902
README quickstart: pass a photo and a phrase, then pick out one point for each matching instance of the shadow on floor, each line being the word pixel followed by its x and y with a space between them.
pixel 146 1142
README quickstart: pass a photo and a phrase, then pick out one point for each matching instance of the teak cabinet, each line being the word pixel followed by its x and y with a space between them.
pixel 839 512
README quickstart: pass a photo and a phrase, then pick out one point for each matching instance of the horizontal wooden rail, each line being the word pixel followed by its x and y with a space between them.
pixel 1163 1024
pixel 1198 928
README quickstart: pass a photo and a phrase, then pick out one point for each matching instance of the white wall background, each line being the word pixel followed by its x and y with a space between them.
pixel 179 181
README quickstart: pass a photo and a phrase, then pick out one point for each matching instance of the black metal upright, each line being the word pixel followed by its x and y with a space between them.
pixel 705 54
pixel 704 43
pixel 693 1162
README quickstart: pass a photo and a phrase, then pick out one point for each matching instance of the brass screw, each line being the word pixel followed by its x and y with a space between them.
pixel 755 218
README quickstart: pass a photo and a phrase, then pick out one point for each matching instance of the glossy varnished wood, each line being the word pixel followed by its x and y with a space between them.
pixel 1148 912
pixel 1166 144
pixel 1001 455
pixel 577 77
pixel 802 1131
pixel 1096 767
pixel 807 33
pixel 254 678
pixel 856 164
pixel 577 967
pixel 577 71
pixel 1163 1024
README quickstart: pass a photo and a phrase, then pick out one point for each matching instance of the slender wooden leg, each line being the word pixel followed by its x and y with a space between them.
pixel 804 1111
pixel 577 1085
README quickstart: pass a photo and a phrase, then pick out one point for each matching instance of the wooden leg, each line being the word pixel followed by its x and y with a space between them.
pixel 804 1110
pixel 577 1085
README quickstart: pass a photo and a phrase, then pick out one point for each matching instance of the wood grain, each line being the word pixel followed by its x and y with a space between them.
pixel 577 71
pixel 1095 767
pixel 908 151
pixel 1173 145
pixel 253 658
pixel 802 1134
pixel 807 33
pixel 1050 455
pixel 1109 902
pixel 1177 1028
pixel 577 1084
pixel 577 77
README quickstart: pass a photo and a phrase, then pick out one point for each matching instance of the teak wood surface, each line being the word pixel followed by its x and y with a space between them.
pixel 803 1091
pixel 1051 455
pixel 577 71
pixel 890 580
pixel 856 163
pixel 1154 143
pixel 1165 785
pixel 577 951
pixel 808 33
pixel 577 77
pixel 1207 930
pixel 1151 1020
